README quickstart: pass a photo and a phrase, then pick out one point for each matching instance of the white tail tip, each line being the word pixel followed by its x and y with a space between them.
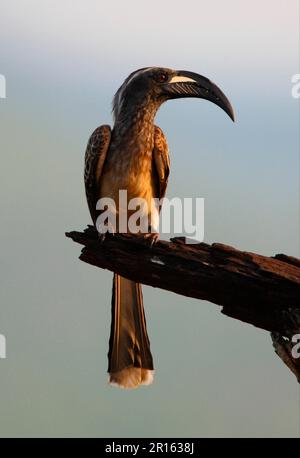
pixel 131 377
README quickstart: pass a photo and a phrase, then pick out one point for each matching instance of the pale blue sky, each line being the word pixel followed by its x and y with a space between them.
pixel 63 61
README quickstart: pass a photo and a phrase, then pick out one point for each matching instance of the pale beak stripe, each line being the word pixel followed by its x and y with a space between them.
pixel 181 79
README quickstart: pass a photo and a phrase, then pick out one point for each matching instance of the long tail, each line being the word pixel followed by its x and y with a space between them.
pixel 130 360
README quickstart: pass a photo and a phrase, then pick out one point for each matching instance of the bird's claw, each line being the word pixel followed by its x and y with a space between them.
pixel 152 238
pixel 103 235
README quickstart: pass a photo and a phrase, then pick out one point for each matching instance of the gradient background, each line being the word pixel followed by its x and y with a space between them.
pixel 63 61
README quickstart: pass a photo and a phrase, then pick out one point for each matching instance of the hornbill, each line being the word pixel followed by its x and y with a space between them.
pixel 133 156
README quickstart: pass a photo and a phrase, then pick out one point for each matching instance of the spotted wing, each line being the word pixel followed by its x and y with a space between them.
pixel 161 161
pixel 95 155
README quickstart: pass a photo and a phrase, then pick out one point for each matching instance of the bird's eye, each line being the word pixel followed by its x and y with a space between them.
pixel 161 77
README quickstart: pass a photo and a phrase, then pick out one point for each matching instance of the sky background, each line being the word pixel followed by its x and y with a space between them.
pixel 63 61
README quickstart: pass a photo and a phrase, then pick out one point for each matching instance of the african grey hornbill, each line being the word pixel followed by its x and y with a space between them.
pixel 133 156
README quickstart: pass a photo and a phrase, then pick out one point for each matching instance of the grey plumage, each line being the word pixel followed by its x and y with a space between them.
pixel 134 157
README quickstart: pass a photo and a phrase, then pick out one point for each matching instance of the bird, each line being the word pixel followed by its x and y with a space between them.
pixel 133 156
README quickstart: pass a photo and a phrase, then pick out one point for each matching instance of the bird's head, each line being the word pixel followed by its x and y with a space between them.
pixel 155 85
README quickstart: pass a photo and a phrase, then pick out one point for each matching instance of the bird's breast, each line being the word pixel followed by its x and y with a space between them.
pixel 128 170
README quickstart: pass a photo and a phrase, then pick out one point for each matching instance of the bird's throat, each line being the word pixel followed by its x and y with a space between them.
pixel 135 127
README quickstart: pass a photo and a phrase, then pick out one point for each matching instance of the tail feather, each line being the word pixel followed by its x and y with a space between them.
pixel 130 359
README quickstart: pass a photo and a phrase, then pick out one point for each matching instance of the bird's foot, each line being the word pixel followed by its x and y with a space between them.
pixel 102 236
pixel 105 232
pixel 151 238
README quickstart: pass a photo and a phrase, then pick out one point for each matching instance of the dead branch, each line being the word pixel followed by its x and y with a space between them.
pixel 260 290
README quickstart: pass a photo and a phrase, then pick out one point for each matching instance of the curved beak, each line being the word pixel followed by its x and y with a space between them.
pixel 189 84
